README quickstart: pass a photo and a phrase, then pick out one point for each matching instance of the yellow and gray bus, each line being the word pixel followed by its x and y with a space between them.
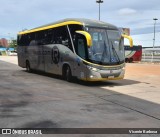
pixel 86 49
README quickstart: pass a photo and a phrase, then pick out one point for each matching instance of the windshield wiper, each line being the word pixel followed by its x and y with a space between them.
pixel 115 53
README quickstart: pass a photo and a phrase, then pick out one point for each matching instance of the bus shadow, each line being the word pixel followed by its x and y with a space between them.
pixel 109 83
pixel 45 74
pixel 89 84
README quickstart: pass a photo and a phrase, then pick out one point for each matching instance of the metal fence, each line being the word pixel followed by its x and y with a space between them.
pixel 151 57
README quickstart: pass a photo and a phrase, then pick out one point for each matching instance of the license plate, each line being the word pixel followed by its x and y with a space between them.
pixel 110 76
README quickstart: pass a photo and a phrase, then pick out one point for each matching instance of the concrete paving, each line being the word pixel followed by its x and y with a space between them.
pixel 39 100
pixel 147 86
pixel 10 59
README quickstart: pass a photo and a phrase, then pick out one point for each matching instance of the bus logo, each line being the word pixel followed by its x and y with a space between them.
pixel 55 55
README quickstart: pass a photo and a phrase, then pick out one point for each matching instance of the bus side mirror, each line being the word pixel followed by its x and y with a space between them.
pixel 129 38
pixel 87 36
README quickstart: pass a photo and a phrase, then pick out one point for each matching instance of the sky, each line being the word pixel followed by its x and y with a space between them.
pixel 17 15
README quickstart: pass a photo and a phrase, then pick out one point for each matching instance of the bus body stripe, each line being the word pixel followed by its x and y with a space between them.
pixel 103 65
pixel 87 35
pixel 130 54
pixel 102 79
pixel 50 26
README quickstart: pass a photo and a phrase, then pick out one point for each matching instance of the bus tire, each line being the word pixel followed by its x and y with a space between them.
pixel 67 73
pixel 126 60
pixel 130 60
pixel 28 68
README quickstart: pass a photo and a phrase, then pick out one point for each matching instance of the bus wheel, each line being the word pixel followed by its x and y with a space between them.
pixel 68 74
pixel 126 60
pixel 130 60
pixel 28 69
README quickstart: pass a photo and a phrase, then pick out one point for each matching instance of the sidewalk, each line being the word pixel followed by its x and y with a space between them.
pixel 10 59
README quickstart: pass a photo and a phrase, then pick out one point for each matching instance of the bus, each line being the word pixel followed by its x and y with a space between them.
pixel 133 54
pixel 86 49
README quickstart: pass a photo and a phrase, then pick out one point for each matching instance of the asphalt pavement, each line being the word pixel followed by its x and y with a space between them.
pixel 38 100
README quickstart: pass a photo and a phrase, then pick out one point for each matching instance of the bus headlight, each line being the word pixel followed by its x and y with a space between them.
pixel 92 68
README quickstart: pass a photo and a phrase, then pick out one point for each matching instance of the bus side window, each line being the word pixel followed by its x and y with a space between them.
pixel 40 37
pixel 57 36
pixel 80 45
pixel 24 41
pixel 31 39
pixel 61 36
pixel 49 36
pixel 73 29
pixel 81 48
pixel 19 40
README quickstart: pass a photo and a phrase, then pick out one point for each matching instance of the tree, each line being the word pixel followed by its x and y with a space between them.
pixel 13 44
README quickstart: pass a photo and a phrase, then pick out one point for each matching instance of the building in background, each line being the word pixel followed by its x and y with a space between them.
pixel 4 47
pixel 126 31
pixel 4 43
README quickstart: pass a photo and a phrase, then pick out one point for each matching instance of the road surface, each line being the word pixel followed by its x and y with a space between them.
pixel 35 100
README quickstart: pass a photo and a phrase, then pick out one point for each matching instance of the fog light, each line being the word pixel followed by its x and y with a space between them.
pixel 91 76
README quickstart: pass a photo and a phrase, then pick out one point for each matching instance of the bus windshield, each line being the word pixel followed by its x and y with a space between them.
pixel 107 46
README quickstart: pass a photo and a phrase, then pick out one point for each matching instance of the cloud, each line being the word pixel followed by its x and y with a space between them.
pixel 127 11
pixel 145 30
pixel 137 14
pixel 146 40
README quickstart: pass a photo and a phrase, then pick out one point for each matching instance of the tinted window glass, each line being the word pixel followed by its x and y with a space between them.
pixel 31 39
pixel 24 40
pixel 61 36
pixel 57 35
pixel 81 44
pixel 41 37
pixel 73 29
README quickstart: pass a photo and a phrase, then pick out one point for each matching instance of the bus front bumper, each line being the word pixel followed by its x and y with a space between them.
pixel 103 75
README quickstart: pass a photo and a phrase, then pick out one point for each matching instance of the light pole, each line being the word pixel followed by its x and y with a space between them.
pixel 155 19
pixel 99 2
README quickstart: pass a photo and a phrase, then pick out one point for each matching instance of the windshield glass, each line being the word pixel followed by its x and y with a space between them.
pixel 107 46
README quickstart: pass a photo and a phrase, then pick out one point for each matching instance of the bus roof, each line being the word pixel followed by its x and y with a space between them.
pixel 80 21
